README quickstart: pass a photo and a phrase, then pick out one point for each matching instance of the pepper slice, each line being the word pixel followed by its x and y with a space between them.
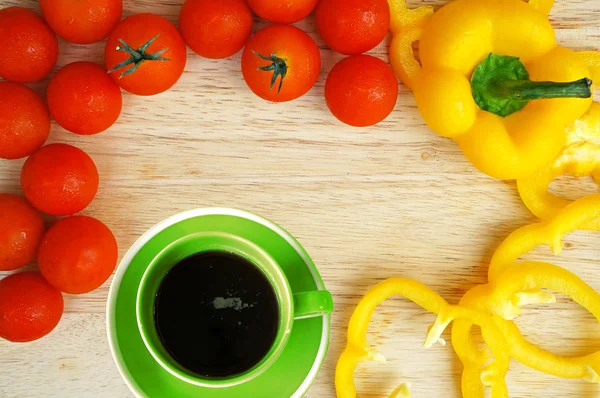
pixel 580 157
pixel 358 349
pixel 503 299
pixel 406 26
pixel 404 19
pixel 510 120
pixel 581 214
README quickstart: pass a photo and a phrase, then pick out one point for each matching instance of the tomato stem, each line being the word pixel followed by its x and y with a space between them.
pixel 278 66
pixel 137 56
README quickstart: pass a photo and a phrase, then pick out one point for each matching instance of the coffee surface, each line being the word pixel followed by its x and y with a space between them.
pixel 217 314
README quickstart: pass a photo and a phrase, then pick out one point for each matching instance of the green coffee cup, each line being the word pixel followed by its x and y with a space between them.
pixel 291 305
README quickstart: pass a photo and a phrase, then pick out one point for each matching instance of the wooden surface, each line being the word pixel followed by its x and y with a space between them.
pixel 391 200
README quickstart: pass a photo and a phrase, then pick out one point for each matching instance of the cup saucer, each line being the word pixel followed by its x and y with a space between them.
pixel 296 368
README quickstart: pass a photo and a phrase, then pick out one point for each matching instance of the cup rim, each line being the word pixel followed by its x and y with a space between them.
pixel 285 303
pixel 182 216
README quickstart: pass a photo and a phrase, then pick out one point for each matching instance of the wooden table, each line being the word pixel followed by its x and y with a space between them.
pixel 390 200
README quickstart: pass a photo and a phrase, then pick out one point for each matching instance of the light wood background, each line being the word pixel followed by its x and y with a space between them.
pixel 390 200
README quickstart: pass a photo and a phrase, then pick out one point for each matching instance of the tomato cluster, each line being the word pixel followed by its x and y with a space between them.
pixel 77 254
pixel 281 62
pixel 145 54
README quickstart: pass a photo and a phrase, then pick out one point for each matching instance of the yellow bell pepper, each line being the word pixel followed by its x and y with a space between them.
pixel 486 80
pixel 519 285
pixel 592 60
pixel 544 6
pixel 358 349
pixel 580 157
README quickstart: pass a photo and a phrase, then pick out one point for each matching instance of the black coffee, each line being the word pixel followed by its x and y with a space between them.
pixel 217 314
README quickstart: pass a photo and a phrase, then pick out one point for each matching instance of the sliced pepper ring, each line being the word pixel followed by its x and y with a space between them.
pixel 580 157
pixel 404 19
pixel 578 215
pixel 358 349
pixel 504 297
pixel 402 56
pixel 406 26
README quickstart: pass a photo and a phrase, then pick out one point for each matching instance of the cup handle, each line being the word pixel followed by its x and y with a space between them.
pixel 312 304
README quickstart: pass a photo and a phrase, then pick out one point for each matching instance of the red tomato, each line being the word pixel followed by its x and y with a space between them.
pixel 145 54
pixel 30 307
pixel 361 90
pixel 59 179
pixel 282 11
pixel 281 63
pixel 78 254
pixel 24 121
pixel 83 99
pixel 28 48
pixel 215 28
pixel 353 26
pixel 82 21
pixel 21 232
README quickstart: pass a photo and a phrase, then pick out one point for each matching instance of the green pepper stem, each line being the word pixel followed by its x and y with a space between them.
pixel 501 85
pixel 525 90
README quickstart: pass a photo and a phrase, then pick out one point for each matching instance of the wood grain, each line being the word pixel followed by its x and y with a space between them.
pixel 390 200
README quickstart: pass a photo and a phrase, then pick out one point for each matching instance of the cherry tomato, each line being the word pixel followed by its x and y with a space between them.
pixel 282 11
pixel 83 99
pixel 59 179
pixel 78 254
pixel 30 307
pixel 353 26
pixel 215 28
pixel 24 121
pixel 281 63
pixel 21 232
pixel 145 54
pixel 82 21
pixel 361 90
pixel 28 48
